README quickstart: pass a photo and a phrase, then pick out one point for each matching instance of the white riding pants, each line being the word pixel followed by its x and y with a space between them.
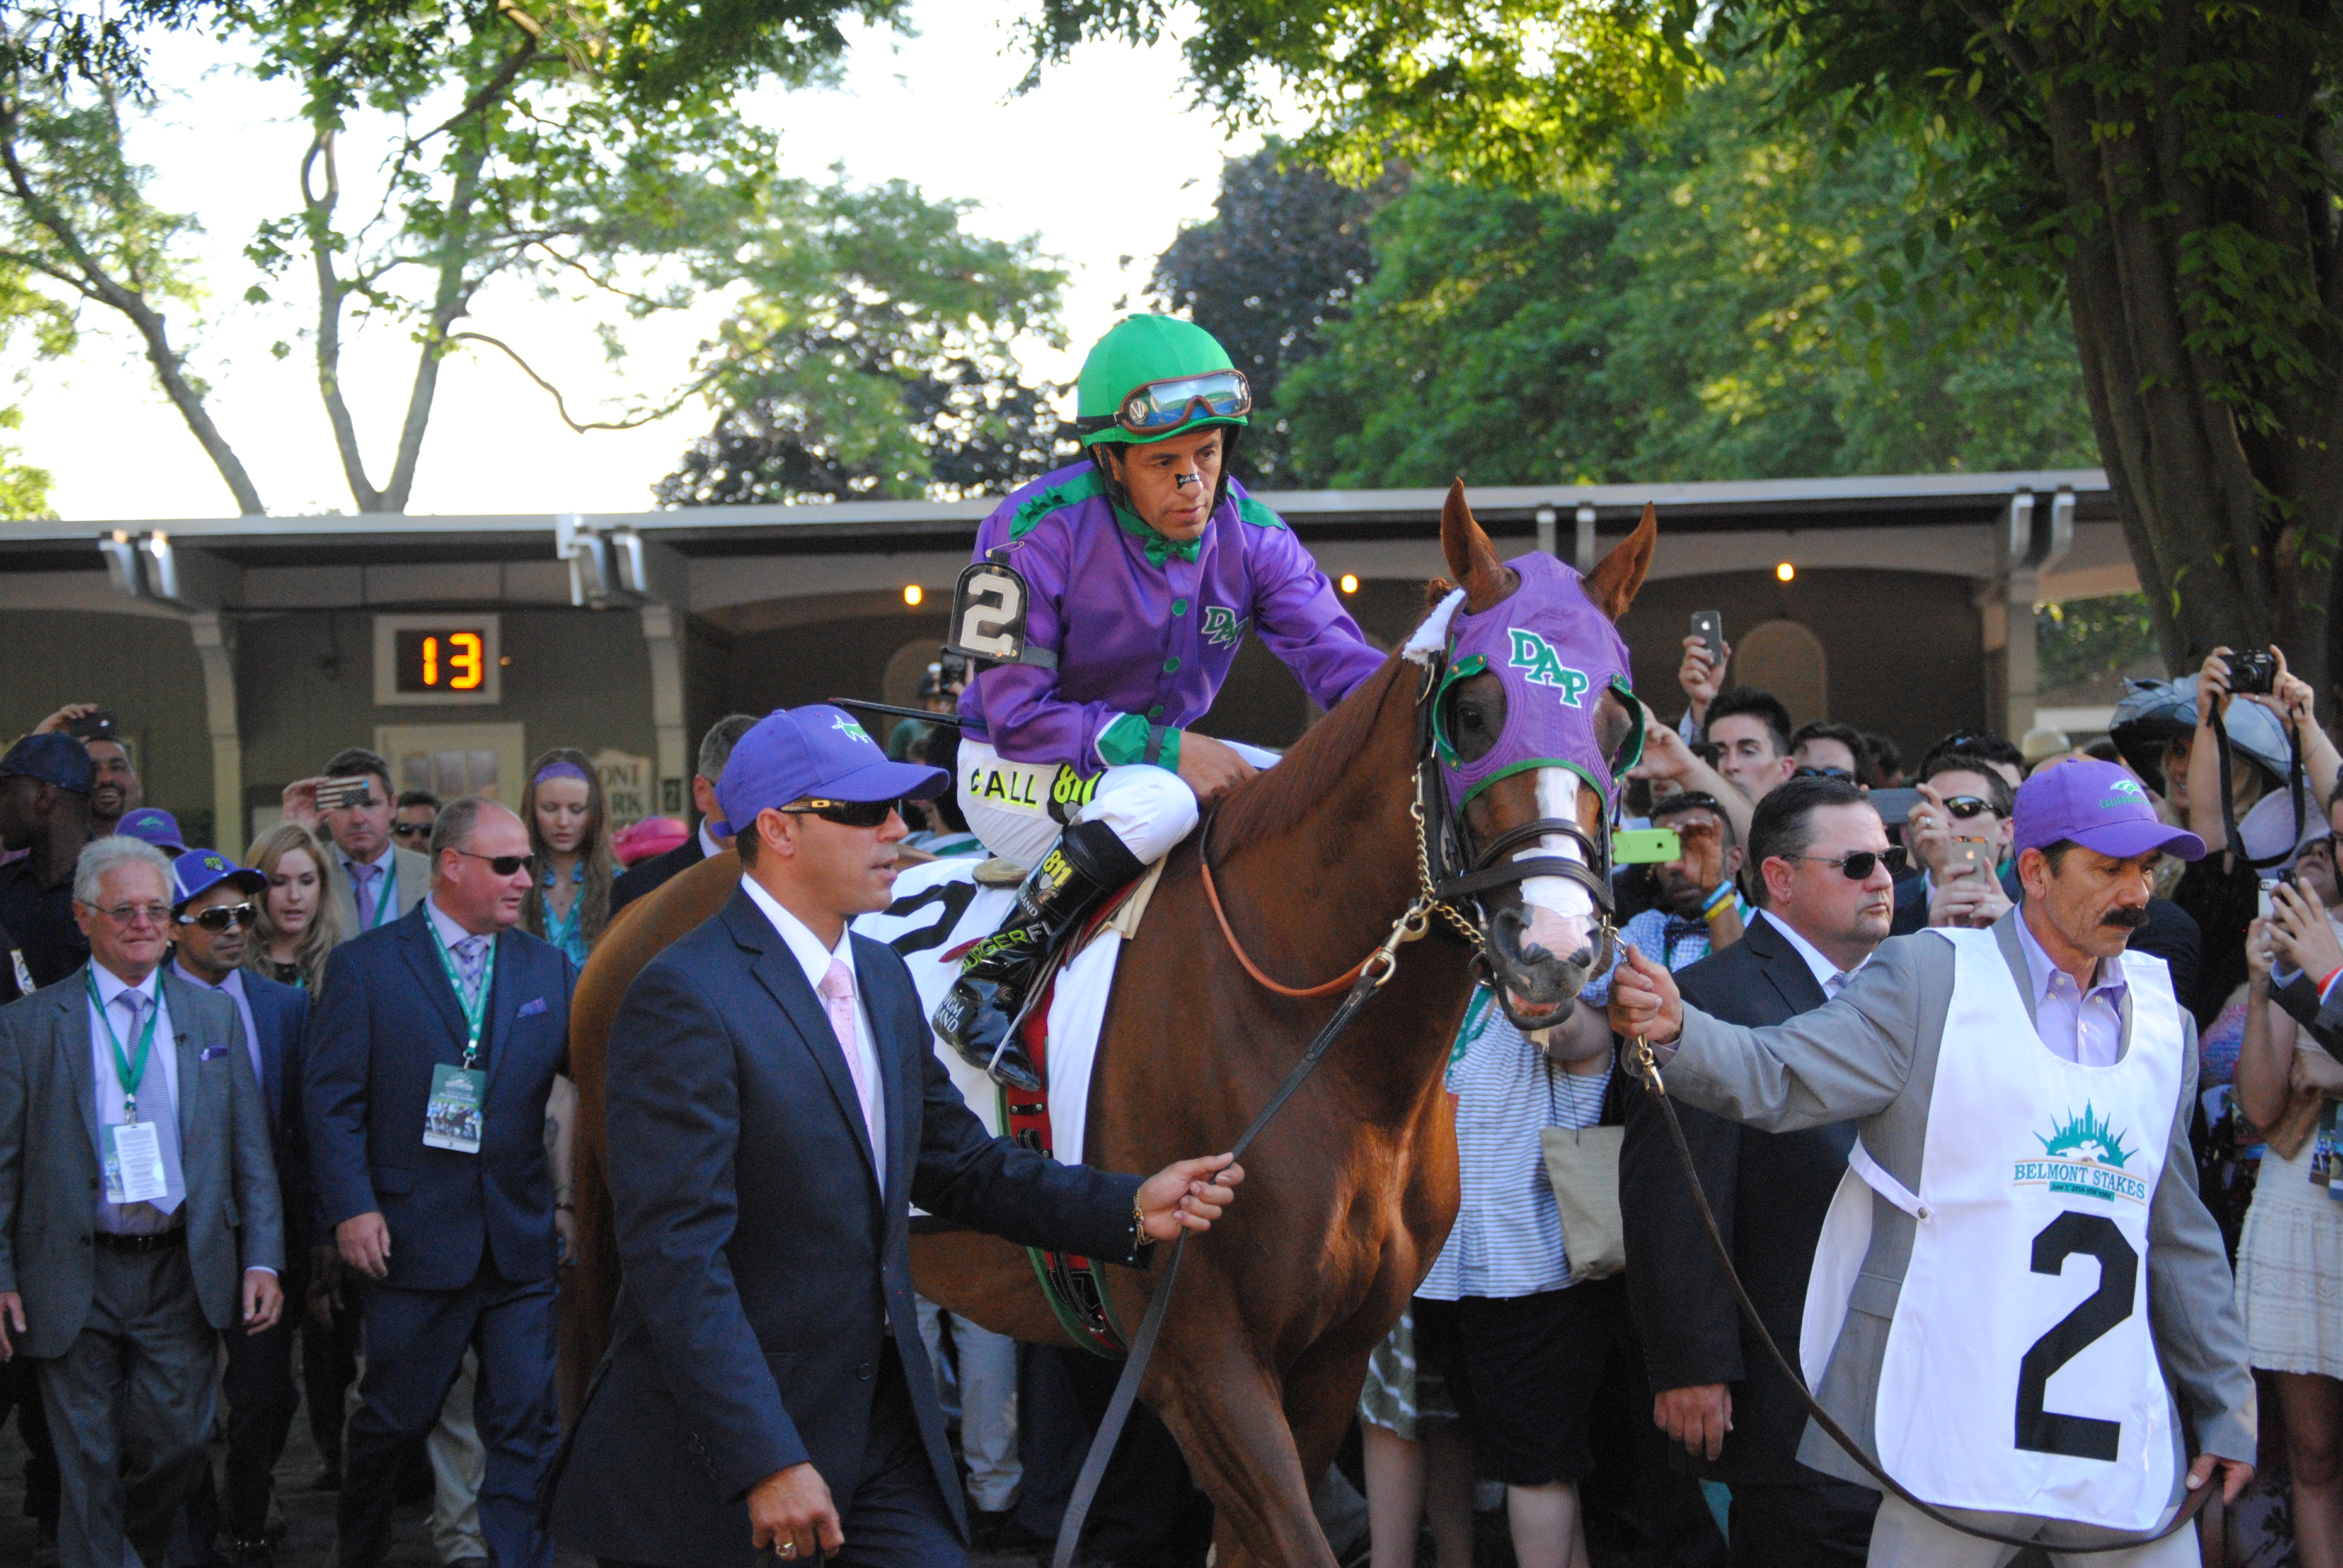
pixel 1018 809
pixel 986 1398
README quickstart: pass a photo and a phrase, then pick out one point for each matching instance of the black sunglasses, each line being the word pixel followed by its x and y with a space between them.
pixel 410 830
pixel 219 916
pixel 503 865
pixel 1822 773
pixel 1966 807
pixel 1857 867
pixel 844 813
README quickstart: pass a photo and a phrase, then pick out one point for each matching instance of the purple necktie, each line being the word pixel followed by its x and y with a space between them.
pixel 363 877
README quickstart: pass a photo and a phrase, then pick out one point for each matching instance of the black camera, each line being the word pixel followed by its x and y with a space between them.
pixel 2253 674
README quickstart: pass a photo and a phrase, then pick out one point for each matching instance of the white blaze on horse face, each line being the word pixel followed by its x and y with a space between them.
pixel 1561 910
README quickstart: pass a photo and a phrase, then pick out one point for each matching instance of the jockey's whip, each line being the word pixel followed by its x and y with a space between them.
pixel 1648 1067
pixel 922 713
pixel 1379 968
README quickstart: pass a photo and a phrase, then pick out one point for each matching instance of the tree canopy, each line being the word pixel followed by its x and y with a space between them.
pixel 1723 305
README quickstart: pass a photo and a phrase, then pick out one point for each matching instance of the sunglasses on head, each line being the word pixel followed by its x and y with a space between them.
pixel 844 813
pixel 220 917
pixel 1857 867
pixel 1805 773
pixel 503 865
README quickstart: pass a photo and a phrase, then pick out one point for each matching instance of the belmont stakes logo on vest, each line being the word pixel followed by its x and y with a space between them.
pixel 2084 1155
pixel 1540 666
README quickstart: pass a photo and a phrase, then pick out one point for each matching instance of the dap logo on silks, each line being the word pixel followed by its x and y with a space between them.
pixel 1221 627
pixel 845 726
pixel 2084 1155
pixel 1540 666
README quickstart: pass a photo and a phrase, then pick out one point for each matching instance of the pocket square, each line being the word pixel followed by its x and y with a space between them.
pixel 210 1052
pixel 532 1007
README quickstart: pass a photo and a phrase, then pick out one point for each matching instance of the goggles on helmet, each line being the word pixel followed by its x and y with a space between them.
pixel 1159 407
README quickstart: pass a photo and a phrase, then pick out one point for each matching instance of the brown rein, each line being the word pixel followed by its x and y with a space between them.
pixel 1213 897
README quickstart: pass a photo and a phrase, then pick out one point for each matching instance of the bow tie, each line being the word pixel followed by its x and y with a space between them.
pixel 1677 930
pixel 1159 548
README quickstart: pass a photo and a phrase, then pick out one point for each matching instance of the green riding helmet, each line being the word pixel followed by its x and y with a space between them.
pixel 1152 377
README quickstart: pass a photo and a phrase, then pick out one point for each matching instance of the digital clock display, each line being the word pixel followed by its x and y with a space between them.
pixel 455 660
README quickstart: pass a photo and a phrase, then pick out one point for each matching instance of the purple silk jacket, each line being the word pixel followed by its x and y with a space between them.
pixel 1143 644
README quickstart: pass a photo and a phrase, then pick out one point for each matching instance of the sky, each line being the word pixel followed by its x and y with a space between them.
pixel 933 109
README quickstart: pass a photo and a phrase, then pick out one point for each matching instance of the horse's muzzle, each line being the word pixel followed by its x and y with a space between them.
pixel 1541 959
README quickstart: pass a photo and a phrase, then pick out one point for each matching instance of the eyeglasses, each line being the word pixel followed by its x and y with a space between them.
pixel 220 917
pixel 124 916
pixel 1857 867
pixel 1967 807
pixel 844 813
pixel 410 830
pixel 503 865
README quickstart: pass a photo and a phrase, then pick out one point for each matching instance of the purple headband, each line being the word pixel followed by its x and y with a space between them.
pixel 562 771
pixel 1554 652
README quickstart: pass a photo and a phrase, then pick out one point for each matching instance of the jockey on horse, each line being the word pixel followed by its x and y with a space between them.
pixel 1140 571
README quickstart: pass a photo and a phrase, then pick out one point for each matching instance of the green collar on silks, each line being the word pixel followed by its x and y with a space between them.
pixel 1159 548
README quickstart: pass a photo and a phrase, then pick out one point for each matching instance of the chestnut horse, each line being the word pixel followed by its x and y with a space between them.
pixel 1351 1191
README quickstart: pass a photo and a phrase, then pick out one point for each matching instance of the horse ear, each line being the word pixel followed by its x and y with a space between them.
pixel 1472 558
pixel 1612 584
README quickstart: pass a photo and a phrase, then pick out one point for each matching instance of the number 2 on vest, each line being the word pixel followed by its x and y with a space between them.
pixel 2094 1236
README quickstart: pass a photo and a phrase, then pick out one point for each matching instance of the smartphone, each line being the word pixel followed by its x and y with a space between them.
pixel 1970 856
pixel 97 726
pixel 2264 905
pixel 1893 806
pixel 1645 845
pixel 1708 624
pixel 341 794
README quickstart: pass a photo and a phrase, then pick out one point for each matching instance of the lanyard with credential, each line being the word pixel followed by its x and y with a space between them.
pixel 130 1074
pixel 386 908
pixel 474 1003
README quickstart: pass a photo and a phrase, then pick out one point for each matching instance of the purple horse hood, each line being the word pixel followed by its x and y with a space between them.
pixel 1555 653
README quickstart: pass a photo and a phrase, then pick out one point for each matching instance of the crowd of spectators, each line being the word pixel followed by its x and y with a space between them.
pixel 1542 1365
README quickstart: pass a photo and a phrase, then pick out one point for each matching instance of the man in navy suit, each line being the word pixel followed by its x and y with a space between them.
pixel 775 1106
pixel 435 1044
pixel 212 917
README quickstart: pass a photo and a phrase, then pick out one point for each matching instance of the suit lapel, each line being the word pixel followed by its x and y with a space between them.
pixel 72 1029
pixel 423 959
pixel 491 1036
pixel 778 971
pixel 177 999
pixel 1785 968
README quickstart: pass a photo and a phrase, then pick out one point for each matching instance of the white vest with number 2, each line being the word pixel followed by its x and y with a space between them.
pixel 2020 1376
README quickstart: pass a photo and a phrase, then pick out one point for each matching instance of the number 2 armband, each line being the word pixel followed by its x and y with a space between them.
pixel 1131 737
pixel 987 617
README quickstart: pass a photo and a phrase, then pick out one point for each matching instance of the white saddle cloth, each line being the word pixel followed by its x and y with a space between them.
pixel 926 897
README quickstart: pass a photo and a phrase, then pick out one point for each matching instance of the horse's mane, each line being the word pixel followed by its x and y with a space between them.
pixel 1274 801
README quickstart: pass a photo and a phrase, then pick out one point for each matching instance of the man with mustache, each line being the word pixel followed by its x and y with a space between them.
pixel 2020 1305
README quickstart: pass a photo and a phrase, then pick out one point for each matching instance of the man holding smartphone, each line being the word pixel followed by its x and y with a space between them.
pixel 351 802
pixel 1960 833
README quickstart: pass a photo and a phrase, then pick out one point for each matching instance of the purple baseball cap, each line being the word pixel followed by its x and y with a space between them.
pixel 198 871
pixel 2100 807
pixel 817 751
pixel 159 829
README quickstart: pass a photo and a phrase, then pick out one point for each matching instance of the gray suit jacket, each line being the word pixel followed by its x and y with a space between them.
pixel 1871 1057
pixel 414 881
pixel 48 1156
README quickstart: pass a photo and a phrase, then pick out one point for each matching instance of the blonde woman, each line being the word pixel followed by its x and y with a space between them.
pixel 301 919
pixel 569 832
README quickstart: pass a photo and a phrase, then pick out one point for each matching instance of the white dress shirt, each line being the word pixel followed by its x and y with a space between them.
pixel 163 1056
pixel 709 847
pixel 2085 1028
pixel 1828 975
pixel 815 960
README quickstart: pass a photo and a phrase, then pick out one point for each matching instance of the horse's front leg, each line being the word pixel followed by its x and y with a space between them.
pixel 1227 1410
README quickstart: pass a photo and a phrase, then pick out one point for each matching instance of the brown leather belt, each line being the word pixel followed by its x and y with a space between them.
pixel 153 1241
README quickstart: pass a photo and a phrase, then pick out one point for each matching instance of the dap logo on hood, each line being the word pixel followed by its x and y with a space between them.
pixel 2083 1156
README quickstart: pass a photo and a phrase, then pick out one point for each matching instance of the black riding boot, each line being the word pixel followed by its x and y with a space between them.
pixel 1087 863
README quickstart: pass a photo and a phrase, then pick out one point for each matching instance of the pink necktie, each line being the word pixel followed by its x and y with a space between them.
pixel 836 989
